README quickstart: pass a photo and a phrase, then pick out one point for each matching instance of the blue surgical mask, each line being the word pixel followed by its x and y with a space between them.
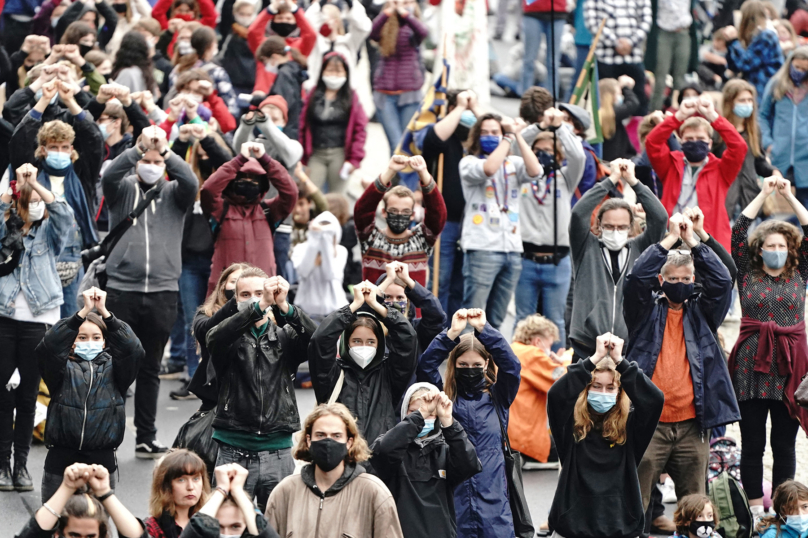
pixel 601 402
pixel 104 131
pixel 743 110
pixel 489 143
pixel 429 425
pixel 88 350
pixel 468 119
pixel 38 96
pixel 774 259
pixel 798 522
pixel 797 76
pixel 58 160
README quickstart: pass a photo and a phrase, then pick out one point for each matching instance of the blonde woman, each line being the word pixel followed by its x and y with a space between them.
pixel 740 109
pixel 618 102
pixel 603 414
pixel 784 121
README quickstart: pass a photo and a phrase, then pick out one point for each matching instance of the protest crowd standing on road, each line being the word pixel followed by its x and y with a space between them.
pixel 267 204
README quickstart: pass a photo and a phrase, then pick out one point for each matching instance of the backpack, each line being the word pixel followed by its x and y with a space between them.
pixel 724 456
pixel 729 498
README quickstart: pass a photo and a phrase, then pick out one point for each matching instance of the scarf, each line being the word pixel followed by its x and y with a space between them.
pixel 75 198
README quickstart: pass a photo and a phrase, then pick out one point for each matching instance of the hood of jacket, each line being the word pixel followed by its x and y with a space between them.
pixel 352 470
pixel 252 166
pixel 329 224
pixel 381 349
pixel 405 401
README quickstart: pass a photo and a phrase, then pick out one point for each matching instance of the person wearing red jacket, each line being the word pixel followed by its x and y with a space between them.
pixel 398 241
pixel 694 177
pixel 195 88
pixel 234 197
pixel 203 11
pixel 283 18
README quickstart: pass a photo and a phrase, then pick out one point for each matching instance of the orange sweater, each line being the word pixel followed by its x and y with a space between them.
pixel 527 426
pixel 672 372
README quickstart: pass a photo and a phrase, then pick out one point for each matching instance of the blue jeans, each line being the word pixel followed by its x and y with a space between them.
pixel 266 469
pixel 580 59
pixel 551 283
pixel 179 339
pixel 395 118
pixel 489 281
pixel 282 242
pixel 450 281
pixel 532 30
pixel 193 287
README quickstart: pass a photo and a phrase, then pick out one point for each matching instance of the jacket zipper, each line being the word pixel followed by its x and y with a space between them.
pixel 320 511
pixel 793 131
pixel 261 392
pixel 146 229
pixel 84 422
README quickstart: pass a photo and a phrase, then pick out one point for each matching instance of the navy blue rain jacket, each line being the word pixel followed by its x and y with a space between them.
pixel 86 410
pixel 481 502
pixel 646 313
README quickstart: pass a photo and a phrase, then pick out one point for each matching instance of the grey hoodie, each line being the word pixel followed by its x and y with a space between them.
pixel 148 258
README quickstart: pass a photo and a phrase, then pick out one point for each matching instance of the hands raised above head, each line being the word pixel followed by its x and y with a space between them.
pixel 608 345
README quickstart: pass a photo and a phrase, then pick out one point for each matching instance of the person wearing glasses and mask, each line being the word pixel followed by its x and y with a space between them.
pixel 602 259
pixel 672 338
pixel 399 241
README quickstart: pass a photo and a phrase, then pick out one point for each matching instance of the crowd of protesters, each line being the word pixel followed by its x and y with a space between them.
pixel 180 172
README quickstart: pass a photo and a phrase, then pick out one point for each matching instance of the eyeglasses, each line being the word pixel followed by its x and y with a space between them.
pixel 613 228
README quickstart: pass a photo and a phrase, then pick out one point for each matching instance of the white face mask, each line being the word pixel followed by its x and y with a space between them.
pixel 334 83
pixel 614 239
pixel 150 173
pixel 36 210
pixel 363 355
pixel 245 21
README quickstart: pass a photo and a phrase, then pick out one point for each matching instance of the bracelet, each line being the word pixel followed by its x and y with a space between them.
pixel 223 491
pixel 164 152
pixel 51 510
pixel 106 496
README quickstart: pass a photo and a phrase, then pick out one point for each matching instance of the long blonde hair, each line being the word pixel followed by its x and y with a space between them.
pixel 782 79
pixel 614 422
pixel 753 15
pixel 608 88
pixel 216 300
pixel 732 89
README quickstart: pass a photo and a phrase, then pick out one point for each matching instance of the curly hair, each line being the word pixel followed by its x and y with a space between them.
pixel 614 422
pixel 689 509
pixel 468 342
pixel 534 102
pixel 134 52
pixel 358 452
pixel 793 237
pixel 533 326
pixel 55 131
pixel 473 141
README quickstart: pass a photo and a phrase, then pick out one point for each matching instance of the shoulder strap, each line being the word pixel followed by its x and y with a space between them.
pixel 337 387
pixel 217 227
pixel 117 232
pixel 506 442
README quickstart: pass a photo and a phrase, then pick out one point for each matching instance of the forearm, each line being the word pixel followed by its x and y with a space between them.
pixel 495 159
pixel 247 509
pixel 799 209
pixel 446 127
pixel 125 522
pixel 753 209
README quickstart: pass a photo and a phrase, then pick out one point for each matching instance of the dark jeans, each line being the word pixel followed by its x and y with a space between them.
pixel 151 316
pixel 450 284
pixel 267 469
pixel 282 242
pixel 52 481
pixel 193 287
pixel 18 340
pixel 179 340
pixel 754 414
pixel 635 71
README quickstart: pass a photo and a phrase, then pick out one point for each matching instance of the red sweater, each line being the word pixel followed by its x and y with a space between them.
pixel 378 250
pixel 207 12
pixel 257 34
pixel 713 181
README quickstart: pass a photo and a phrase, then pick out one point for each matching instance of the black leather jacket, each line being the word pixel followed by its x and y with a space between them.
pixel 255 376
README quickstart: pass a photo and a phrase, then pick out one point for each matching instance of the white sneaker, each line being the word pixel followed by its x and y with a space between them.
pixel 668 491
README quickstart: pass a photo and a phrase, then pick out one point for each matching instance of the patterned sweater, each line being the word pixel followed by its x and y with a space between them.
pixel 629 19
pixel 378 250
pixel 759 61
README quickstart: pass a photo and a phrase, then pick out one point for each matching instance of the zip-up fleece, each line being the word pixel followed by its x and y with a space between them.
pixel 148 258
pixel 255 374
pixel 86 411
pixel 358 504
pixel 597 300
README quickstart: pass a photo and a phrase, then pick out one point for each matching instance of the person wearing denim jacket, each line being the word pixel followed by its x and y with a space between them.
pixel 30 296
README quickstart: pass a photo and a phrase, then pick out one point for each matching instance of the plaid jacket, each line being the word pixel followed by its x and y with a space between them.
pixel 759 61
pixel 629 19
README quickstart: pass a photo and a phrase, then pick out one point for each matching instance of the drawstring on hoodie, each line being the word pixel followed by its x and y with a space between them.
pixel 137 201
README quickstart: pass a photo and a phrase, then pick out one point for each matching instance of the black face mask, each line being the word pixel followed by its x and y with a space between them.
pixel 678 292
pixel 470 380
pixel 695 150
pixel 327 453
pixel 546 160
pixel 247 189
pixel 398 223
pixel 229 294
pixel 84 49
pixel 283 29
pixel 702 529
pixel 462 133
pixel 119 8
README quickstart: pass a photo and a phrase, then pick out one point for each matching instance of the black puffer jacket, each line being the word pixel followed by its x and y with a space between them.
pixel 371 394
pixel 86 410
pixel 255 376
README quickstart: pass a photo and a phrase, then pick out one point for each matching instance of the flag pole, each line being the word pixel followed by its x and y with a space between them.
pixel 439 179
pixel 589 57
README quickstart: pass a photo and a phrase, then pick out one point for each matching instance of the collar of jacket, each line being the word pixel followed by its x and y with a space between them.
pixel 352 470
